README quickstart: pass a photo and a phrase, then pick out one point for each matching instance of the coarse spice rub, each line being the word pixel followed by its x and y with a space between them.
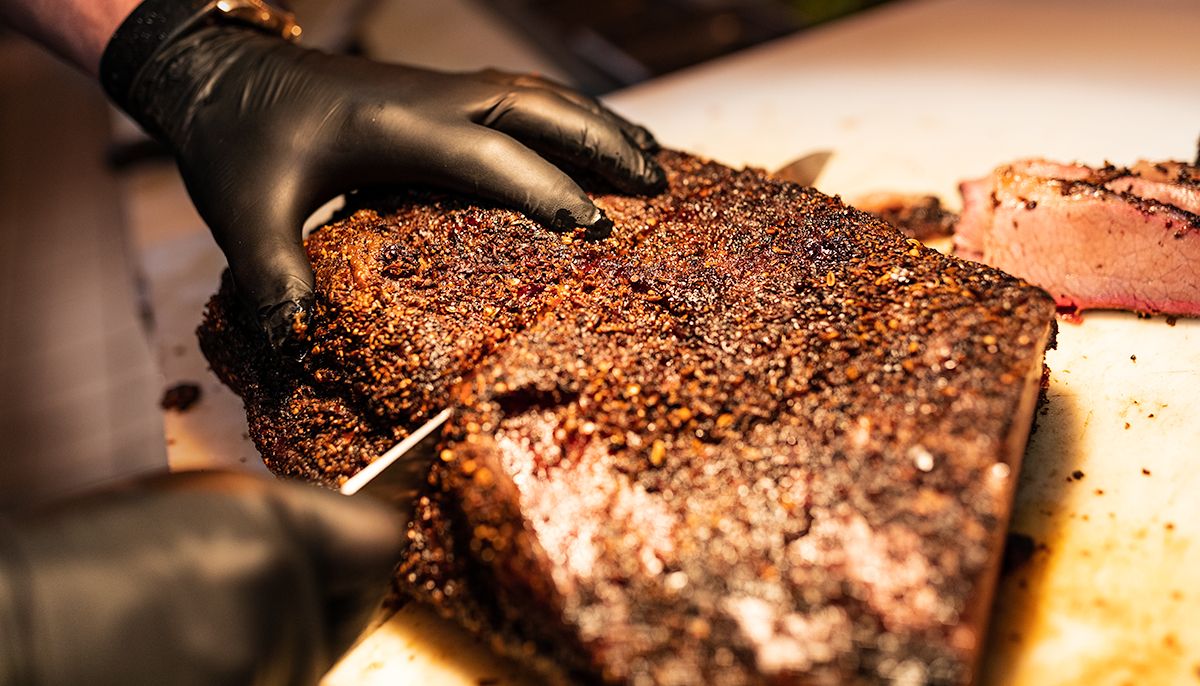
pixel 754 437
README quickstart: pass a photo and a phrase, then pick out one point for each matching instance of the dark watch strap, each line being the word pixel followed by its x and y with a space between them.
pixel 142 33
pixel 155 23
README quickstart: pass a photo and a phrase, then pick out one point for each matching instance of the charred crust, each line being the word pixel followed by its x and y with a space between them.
pixel 788 387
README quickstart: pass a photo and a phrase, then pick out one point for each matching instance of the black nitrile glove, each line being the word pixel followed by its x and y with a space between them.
pixel 265 132
pixel 214 578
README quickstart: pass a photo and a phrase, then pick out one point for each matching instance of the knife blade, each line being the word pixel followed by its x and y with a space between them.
pixel 806 169
pixel 396 475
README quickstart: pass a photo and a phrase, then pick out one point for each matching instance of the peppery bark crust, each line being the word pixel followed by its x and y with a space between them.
pixel 756 437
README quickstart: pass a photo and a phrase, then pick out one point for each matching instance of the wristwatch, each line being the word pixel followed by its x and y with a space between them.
pixel 271 17
pixel 156 23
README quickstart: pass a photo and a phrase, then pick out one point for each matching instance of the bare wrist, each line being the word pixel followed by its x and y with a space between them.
pixel 78 30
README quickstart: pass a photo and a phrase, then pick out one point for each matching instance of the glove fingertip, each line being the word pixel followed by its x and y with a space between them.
pixel 285 323
pixel 360 537
pixel 655 177
pixel 644 139
pixel 579 212
pixel 645 177
pixel 377 535
pixel 596 227
pixel 600 229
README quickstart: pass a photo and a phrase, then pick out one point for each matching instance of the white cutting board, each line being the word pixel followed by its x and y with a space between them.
pixel 914 97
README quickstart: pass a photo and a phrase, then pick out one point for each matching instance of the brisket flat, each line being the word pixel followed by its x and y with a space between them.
pixel 756 437
pixel 1094 238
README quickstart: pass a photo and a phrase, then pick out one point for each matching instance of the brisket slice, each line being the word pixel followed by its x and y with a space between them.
pixel 1094 238
pixel 757 437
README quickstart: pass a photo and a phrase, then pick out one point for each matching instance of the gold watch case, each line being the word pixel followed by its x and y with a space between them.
pixel 260 15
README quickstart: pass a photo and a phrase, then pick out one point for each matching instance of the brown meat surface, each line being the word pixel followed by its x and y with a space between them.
pixel 917 216
pixel 757 437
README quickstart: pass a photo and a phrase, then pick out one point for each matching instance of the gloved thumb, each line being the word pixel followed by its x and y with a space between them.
pixel 276 282
pixel 261 238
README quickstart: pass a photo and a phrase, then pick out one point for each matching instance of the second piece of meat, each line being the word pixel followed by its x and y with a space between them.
pixel 1095 238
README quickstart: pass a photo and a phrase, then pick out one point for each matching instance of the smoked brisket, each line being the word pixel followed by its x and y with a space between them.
pixel 755 437
pixel 1095 238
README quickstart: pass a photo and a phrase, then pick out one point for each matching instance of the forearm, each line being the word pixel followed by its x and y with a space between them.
pixel 78 30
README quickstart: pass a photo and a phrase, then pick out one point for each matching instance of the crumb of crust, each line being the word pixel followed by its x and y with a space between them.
pixel 180 397
pixel 1018 551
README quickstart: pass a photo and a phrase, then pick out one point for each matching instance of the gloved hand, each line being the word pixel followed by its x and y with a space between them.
pixel 213 578
pixel 265 132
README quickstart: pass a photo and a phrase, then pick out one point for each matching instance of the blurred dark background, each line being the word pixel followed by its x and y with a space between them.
pixel 615 44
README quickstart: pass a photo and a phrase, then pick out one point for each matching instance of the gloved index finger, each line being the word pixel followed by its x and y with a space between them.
pixel 636 133
pixel 484 162
pixel 353 539
pixel 346 536
pixel 562 129
pixel 354 543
